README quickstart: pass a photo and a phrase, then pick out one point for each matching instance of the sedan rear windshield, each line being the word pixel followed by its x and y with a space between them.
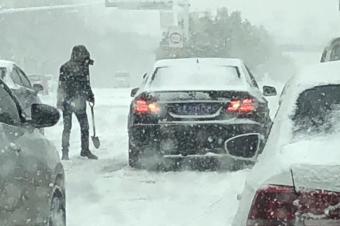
pixel 3 72
pixel 198 77
pixel 318 111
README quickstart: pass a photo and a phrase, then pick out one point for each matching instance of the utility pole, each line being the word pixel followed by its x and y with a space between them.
pixel 181 12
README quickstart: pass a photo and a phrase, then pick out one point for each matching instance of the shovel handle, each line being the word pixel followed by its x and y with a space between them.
pixel 93 121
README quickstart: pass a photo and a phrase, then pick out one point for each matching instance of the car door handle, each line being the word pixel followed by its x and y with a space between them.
pixel 14 147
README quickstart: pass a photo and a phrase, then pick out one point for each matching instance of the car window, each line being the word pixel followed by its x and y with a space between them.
pixel 317 110
pixel 9 113
pixel 196 77
pixel 23 78
pixel 335 55
pixel 324 56
pixel 16 77
pixel 20 78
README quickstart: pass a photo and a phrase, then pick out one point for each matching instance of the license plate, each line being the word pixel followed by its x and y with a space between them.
pixel 196 109
pixel 322 223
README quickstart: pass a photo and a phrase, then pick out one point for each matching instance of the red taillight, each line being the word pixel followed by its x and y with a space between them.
pixel 141 106
pixel 273 204
pixel 318 202
pixel 243 106
pixel 144 107
pixel 280 205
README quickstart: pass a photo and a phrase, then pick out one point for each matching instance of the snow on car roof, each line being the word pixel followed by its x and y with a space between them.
pixel 6 63
pixel 189 61
pixel 190 65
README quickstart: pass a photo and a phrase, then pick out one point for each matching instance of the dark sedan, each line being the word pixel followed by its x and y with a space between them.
pixel 32 189
pixel 194 108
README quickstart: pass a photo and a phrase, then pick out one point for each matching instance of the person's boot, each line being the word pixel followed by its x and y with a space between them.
pixel 88 154
pixel 65 154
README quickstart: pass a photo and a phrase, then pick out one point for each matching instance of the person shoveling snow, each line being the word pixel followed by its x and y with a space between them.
pixel 74 91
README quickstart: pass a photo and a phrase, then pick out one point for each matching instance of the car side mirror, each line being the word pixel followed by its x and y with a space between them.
pixel 244 146
pixel 134 92
pixel 269 91
pixel 43 116
pixel 38 88
pixel 144 76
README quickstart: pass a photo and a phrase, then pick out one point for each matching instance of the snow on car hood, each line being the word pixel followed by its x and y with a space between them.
pixel 315 150
pixel 316 158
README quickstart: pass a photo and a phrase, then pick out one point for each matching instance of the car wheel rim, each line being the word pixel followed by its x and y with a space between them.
pixel 57 213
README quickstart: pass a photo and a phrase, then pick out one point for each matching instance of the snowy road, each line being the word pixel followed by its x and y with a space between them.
pixel 107 192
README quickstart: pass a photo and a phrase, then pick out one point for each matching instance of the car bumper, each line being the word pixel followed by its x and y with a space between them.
pixel 195 139
pixel 202 162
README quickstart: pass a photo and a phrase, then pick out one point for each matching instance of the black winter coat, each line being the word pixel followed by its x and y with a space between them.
pixel 74 80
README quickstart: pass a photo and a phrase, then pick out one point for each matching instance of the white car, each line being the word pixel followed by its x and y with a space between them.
pixel 297 178
pixel 16 79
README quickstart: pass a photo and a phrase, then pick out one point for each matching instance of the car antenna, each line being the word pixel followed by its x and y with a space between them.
pixel 293 180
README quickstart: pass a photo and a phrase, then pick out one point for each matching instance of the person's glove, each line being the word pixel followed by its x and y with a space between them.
pixel 91 100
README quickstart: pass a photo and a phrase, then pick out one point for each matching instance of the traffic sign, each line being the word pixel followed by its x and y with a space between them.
pixel 176 37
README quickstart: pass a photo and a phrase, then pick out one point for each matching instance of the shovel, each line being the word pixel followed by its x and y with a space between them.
pixel 95 139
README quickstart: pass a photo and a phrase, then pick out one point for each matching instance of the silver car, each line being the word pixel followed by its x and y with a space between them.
pixel 31 175
pixel 21 86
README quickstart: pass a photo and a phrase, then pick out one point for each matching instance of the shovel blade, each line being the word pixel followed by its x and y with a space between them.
pixel 96 142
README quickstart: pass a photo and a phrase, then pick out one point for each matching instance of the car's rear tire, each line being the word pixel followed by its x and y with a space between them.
pixel 57 210
pixel 134 157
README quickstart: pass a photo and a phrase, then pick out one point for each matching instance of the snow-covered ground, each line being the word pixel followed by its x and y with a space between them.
pixel 107 192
